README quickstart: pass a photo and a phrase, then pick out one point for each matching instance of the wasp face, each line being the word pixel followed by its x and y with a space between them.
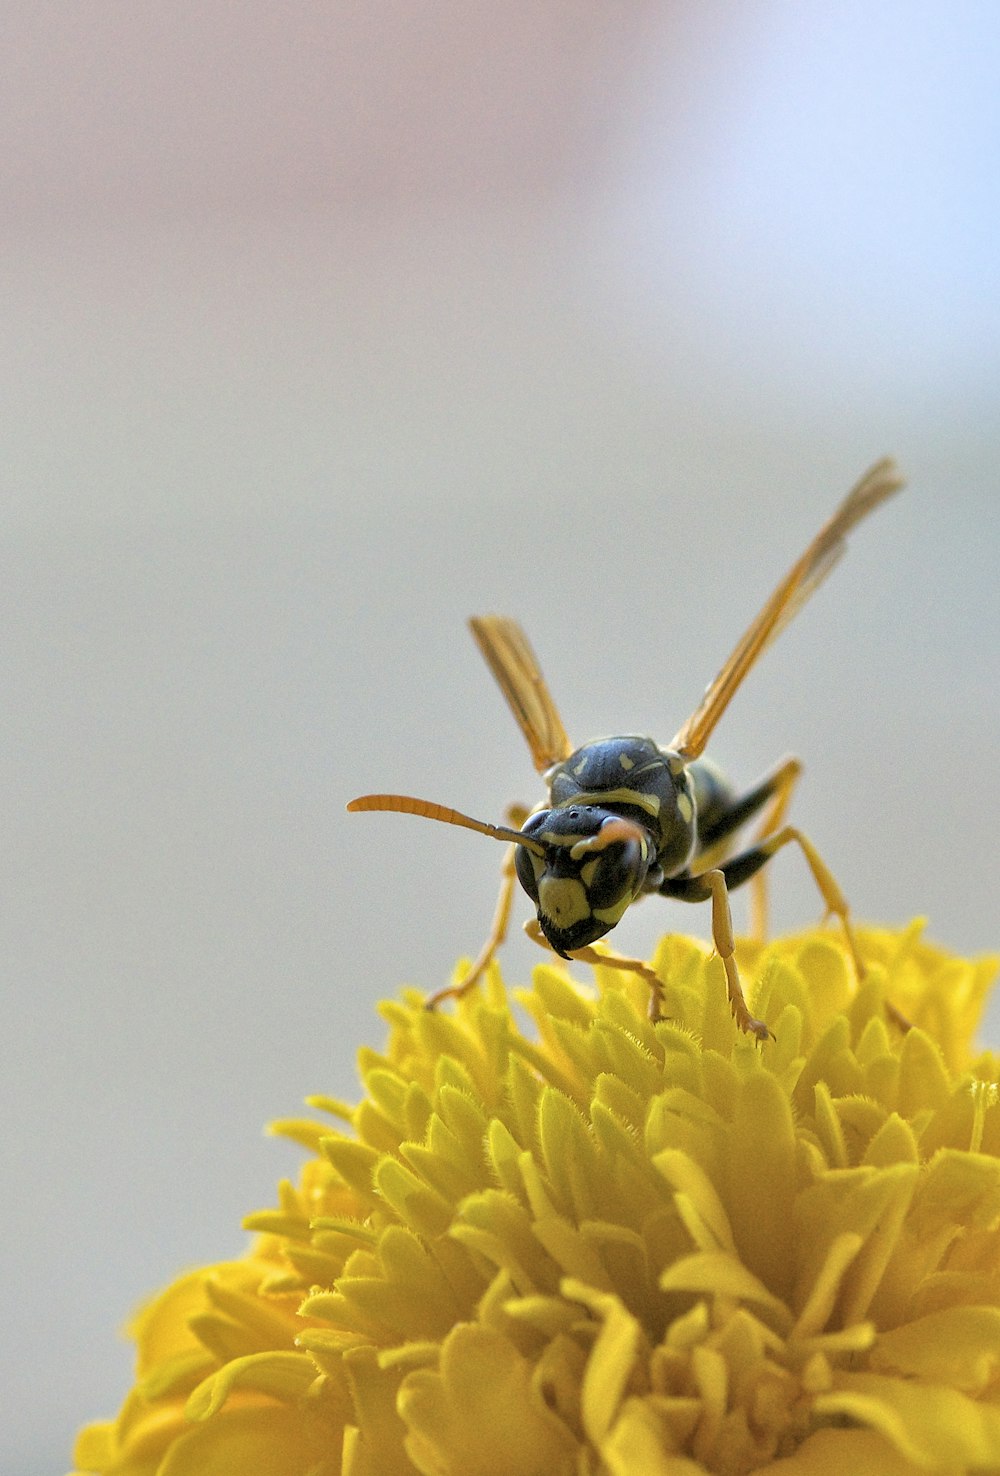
pixel 592 867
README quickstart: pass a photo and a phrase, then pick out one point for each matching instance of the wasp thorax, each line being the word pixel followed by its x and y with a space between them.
pixel 591 867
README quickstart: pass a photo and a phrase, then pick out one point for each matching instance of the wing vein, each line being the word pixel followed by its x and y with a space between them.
pixel 803 579
pixel 508 654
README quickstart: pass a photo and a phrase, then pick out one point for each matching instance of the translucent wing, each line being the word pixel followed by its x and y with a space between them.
pixel 515 668
pixel 804 577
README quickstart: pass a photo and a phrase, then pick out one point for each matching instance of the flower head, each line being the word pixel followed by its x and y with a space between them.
pixel 612 1246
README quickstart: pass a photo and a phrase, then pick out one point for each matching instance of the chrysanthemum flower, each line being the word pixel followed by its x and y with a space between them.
pixel 604 1245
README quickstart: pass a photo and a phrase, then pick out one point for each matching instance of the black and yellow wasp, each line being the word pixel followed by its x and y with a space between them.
pixel 626 817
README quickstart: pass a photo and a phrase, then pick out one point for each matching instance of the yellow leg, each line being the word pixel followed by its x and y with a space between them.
pixel 497 934
pixel 498 928
pixel 833 897
pixel 785 779
pixel 610 960
pixel 725 947
pixel 722 935
pixel 836 903
pixel 735 871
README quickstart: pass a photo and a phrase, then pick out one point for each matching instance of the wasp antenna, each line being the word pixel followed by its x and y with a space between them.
pixel 407 804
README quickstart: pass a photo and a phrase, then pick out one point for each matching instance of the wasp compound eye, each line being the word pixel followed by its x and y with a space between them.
pixel 528 867
pixel 615 874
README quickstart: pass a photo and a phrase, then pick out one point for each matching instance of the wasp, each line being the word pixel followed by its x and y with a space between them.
pixel 625 817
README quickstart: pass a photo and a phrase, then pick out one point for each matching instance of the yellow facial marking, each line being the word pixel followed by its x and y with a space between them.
pixel 685 807
pixel 549 838
pixel 648 802
pixel 563 899
pixel 615 912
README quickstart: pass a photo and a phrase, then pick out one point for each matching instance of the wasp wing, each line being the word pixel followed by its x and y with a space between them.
pixel 514 665
pixel 805 576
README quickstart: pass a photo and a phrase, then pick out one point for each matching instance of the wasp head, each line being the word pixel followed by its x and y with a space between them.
pixel 582 870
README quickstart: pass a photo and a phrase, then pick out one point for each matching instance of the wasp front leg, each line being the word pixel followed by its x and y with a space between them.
pixel 516 814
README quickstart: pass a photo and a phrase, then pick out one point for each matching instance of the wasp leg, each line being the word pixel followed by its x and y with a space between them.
pixel 516 814
pixel 742 867
pixel 497 934
pixel 715 832
pixel 610 960
pixel 785 778
pixel 714 885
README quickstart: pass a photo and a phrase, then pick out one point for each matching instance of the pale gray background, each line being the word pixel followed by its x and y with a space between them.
pixel 325 325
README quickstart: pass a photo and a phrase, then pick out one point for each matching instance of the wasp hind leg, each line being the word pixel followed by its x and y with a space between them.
pixel 516 814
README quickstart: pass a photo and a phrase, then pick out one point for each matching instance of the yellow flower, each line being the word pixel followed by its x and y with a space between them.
pixel 608 1246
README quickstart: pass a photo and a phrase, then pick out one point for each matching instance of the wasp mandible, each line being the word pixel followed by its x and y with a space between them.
pixel 625 817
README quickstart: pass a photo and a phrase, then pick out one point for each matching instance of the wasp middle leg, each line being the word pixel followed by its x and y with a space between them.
pixel 741 868
pixel 749 862
pixel 714 886
pixel 721 812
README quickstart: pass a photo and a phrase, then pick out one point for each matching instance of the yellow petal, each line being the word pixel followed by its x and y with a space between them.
pixel 569 1154
pixel 697 1201
pixel 479 1415
pixel 135 1451
pixel 929 1424
pixel 284 1376
pixel 825 1289
pixel 868 1202
pixel 376 1446
pixel 611 1360
pixel 895 1142
pixel 828 1127
pixel 94 1447
pixel 271 1441
pixel 162 1328
pixel 958 1345
pixel 422 1208
pixel 958 1188
pixel 760 1176
pixel 715 1274
pixel 844 1453
pixel 637 1446
pixel 923 1076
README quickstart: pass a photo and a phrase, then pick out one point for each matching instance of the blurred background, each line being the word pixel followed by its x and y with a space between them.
pixel 325 326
